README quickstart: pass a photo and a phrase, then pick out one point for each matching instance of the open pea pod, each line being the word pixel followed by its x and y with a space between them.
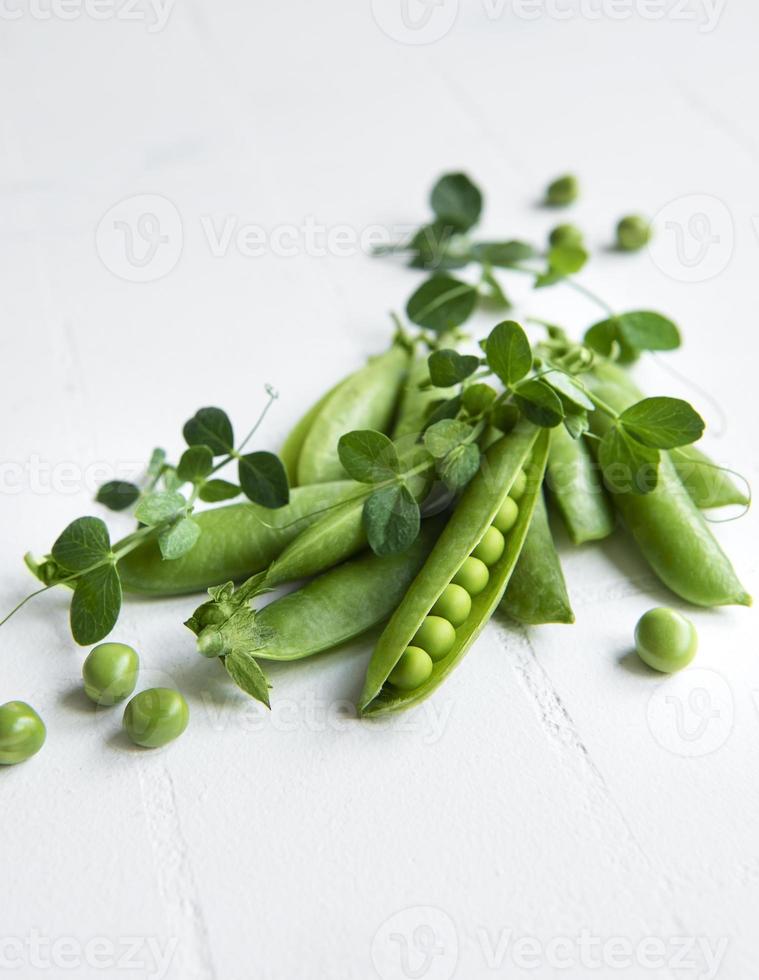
pixel 472 522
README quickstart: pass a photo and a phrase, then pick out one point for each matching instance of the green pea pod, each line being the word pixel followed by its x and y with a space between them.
pixel 573 480
pixel 708 484
pixel 465 531
pixel 669 529
pixel 236 540
pixel 537 592
pixel 342 603
pixel 293 444
pixel 364 400
pixel 416 401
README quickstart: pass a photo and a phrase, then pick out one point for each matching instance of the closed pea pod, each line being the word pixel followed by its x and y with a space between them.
pixel 235 541
pixel 417 401
pixel 471 520
pixel 669 529
pixel 336 606
pixel 708 484
pixel 537 592
pixel 365 400
pixel 575 487
pixel 291 447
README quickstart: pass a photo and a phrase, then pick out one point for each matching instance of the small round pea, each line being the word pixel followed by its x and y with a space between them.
pixel 633 233
pixel 506 517
pixel 453 604
pixel 412 670
pixel 491 545
pixel 562 191
pixel 565 235
pixel 665 640
pixel 436 635
pixel 110 673
pixel 155 717
pixel 519 486
pixel 22 732
pixel 472 576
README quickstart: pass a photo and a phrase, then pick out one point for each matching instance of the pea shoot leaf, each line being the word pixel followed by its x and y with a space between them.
pixel 117 494
pixel 492 295
pixel 247 675
pixel 569 389
pixel 215 491
pixel 459 466
pixel 502 254
pixel 539 402
pixel 436 246
pixel 447 409
pixel 179 538
pixel 263 479
pixel 443 436
pixel 576 423
pixel 160 506
pixel 210 427
pixel 662 423
pixel 508 352
pixel 95 605
pixel 391 519
pixel 196 463
pixel 448 367
pixel 478 398
pixel 368 456
pixel 504 416
pixel 456 201
pixel 442 303
pixel 637 331
pixel 628 465
pixel 82 544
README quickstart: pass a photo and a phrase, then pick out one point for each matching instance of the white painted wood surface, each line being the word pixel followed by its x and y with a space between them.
pixel 551 792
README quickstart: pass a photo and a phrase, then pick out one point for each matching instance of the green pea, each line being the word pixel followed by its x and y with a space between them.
pixel 472 576
pixel 507 516
pixel 491 546
pixel 665 640
pixel 412 670
pixel 454 604
pixel 436 635
pixel 22 733
pixel 564 190
pixel 519 486
pixel 110 673
pixel 633 233
pixel 565 235
pixel 155 717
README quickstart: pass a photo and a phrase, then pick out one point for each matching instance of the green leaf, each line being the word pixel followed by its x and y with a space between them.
pixel 567 259
pixel 263 479
pixel 442 437
pixel 478 398
pixel 368 456
pixel 96 605
pixel 442 303
pixel 491 292
pixel 248 676
pixel 663 423
pixel 539 402
pixel 117 494
pixel 502 254
pixel 178 539
pixel 391 519
pixel 569 389
pixel 448 367
pixel 576 423
pixel 160 506
pixel 210 427
pixel 438 246
pixel 628 465
pixel 84 543
pixel 217 490
pixel 196 463
pixel 456 201
pixel 447 409
pixel 459 466
pixel 636 331
pixel 601 336
pixel 155 464
pixel 508 352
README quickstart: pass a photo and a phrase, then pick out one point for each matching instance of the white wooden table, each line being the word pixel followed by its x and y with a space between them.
pixel 554 810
